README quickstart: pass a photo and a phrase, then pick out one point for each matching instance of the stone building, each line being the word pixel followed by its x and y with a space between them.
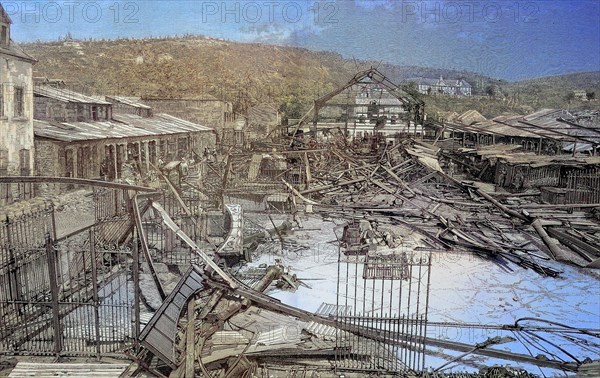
pixel 88 137
pixel 16 113
pixel 206 110
pixel 16 104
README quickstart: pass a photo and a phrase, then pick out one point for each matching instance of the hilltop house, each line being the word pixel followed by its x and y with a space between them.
pixel 458 87
pixel 16 109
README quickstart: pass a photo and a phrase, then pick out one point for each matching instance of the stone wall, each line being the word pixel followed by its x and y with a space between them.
pixel 210 112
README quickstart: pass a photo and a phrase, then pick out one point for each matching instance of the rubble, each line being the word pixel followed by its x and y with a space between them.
pixel 328 252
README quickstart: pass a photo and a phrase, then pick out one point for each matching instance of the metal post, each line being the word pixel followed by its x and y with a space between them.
pixel 52 274
pixel 95 297
pixel 136 291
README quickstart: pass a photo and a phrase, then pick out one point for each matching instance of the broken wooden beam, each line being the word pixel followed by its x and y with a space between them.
pixel 500 206
pixel 336 185
pixel 551 243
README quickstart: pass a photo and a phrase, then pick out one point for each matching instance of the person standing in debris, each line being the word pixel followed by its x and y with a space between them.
pixel 450 168
pixel 502 177
pixel 104 170
pixel 519 181
pixel 182 170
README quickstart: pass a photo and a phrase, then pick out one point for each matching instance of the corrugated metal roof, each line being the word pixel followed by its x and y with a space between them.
pixel 122 126
pixel 469 117
pixel 536 125
pixel 160 333
pixel 128 101
pixel 543 113
pixel 66 95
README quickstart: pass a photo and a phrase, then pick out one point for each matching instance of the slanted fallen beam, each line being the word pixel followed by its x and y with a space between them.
pixel 145 249
pixel 179 232
pixel 500 206
pixel 264 301
pixel 552 244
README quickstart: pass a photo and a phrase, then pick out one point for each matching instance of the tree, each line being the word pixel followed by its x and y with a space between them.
pixel 570 97
pixel 294 105
pixel 491 90
pixel 590 95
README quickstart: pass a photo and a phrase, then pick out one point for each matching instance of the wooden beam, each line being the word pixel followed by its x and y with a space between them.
pixel 190 337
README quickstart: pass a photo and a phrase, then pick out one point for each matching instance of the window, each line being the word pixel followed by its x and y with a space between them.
pixel 95 113
pixel 24 162
pixel 18 102
pixel 4 36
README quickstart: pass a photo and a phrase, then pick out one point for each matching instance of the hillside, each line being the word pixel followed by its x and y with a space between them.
pixel 247 74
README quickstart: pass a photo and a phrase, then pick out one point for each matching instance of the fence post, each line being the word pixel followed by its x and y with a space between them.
pixel 93 262
pixel 52 274
pixel 14 281
pixel 136 290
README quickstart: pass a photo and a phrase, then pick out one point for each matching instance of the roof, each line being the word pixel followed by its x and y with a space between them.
pixel 44 80
pixel 14 50
pixel 4 16
pixel 66 95
pixel 122 126
pixel 544 113
pixel 263 114
pixel 439 82
pixel 128 101
pixel 541 124
pixel 469 117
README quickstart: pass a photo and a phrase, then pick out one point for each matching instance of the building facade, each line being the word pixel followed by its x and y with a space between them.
pixel 16 104
pixel 429 86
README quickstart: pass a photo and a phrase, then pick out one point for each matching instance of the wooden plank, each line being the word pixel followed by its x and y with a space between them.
pixel 190 336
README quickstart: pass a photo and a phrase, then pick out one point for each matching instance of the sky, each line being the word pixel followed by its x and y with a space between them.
pixel 504 39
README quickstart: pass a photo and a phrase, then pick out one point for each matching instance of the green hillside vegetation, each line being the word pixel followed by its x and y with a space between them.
pixel 250 73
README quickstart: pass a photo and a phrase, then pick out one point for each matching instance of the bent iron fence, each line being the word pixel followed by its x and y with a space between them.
pixel 73 297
